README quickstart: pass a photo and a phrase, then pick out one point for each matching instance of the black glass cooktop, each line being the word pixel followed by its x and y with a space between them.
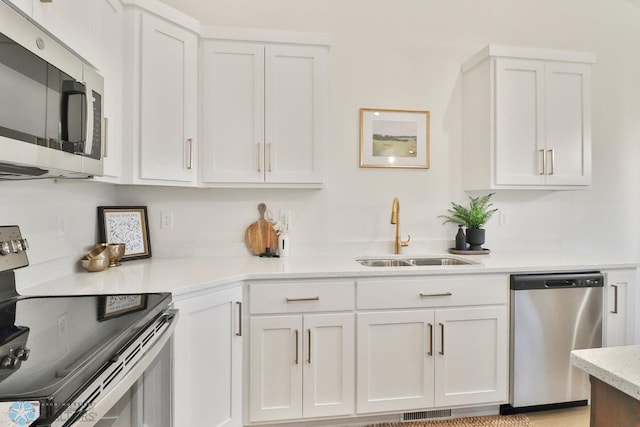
pixel 51 346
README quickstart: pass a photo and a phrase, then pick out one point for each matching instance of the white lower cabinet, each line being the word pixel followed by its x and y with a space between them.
pixel 301 366
pixel 619 307
pixel 432 342
pixel 431 358
pixel 207 372
pixel 301 354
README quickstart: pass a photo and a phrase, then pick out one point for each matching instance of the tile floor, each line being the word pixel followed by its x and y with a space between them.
pixel 572 417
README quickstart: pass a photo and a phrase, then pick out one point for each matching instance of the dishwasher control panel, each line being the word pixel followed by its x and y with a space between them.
pixel 591 279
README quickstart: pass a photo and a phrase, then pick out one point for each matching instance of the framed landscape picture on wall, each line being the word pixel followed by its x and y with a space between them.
pixel 394 138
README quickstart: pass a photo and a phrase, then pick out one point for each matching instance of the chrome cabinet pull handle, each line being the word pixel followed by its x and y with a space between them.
pixel 269 158
pixel 544 167
pixel 552 161
pixel 309 346
pixel 106 137
pixel 297 345
pixel 430 353
pixel 288 300
pixel 444 294
pixel 615 299
pixel 190 161
pixel 239 304
pixel 441 352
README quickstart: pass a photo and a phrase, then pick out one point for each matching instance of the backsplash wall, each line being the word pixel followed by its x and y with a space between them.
pixel 58 218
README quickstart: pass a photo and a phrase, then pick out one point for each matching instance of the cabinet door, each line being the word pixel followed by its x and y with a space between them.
pixel 519 122
pixel 275 368
pixel 232 112
pixel 328 373
pixel 108 24
pixel 472 356
pixel 568 123
pixel 295 107
pixel 25 6
pixel 168 116
pixel 395 361
pixel 208 360
pixel 618 308
pixel 71 21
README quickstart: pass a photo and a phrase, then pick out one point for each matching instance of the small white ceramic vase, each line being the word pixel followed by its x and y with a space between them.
pixel 283 245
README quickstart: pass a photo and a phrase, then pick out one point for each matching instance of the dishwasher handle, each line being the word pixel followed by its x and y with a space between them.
pixel 560 284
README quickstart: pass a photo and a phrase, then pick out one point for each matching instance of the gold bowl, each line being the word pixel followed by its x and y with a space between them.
pixel 115 252
pixel 98 252
pixel 95 264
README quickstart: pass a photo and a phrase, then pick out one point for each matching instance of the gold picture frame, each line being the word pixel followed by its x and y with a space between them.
pixel 394 138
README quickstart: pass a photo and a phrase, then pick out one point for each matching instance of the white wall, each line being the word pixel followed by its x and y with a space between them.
pixel 36 206
pixel 407 55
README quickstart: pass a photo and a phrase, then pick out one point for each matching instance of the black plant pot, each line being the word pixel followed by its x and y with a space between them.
pixel 475 238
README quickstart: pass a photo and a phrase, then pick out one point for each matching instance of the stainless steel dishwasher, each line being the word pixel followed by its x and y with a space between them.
pixel 552 314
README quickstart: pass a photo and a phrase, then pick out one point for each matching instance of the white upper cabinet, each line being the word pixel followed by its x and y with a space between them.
pixel 527 119
pixel 25 6
pixel 232 112
pixel 161 65
pixel 71 21
pixel 109 29
pixel 264 111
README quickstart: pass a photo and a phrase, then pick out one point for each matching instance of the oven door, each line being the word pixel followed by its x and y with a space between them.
pixel 93 402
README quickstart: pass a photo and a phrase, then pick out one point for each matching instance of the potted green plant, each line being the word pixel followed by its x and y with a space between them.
pixel 473 218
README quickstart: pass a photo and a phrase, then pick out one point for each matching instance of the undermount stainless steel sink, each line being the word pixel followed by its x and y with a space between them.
pixel 412 262
pixel 384 262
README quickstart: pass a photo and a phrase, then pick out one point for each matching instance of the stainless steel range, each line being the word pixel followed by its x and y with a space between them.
pixel 66 360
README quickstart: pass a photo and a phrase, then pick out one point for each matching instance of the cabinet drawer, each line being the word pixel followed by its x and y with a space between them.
pixel 434 291
pixel 266 298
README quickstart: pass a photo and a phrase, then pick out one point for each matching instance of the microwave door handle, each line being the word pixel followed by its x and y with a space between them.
pixel 77 88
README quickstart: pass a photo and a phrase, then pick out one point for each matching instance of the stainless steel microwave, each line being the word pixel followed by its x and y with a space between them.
pixel 50 105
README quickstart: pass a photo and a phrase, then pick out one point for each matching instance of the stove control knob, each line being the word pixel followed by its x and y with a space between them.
pixel 25 244
pixel 5 249
pixel 8 362
pixel 14 246
pixel 22 353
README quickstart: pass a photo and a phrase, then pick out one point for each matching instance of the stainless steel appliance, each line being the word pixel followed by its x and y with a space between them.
pixel 50 105
pixel 66 360
pixel 552 314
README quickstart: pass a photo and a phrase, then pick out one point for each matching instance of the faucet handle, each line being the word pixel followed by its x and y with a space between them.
pixel 405 242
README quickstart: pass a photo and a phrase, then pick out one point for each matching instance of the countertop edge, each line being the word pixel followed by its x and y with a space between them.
pixel 182 276
pixel 608 365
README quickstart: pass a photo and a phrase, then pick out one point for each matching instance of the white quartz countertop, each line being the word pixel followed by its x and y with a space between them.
pixel 617 366
pixel 184 275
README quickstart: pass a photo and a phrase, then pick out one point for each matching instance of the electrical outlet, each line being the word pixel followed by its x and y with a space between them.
pixel 166 219
pixel 502 218
pixel 62 225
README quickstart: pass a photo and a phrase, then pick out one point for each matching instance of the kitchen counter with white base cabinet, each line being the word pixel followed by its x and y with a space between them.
pixel 351 320
pixel 432 342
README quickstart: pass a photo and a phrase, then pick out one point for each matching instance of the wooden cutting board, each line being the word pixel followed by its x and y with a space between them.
pixel 261 235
